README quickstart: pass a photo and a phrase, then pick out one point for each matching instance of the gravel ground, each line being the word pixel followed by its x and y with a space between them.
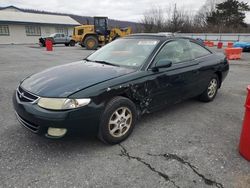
pixel 191 144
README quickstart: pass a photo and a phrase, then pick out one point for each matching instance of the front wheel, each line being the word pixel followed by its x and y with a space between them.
pixel 211 90
pixel 91 43
pixel 118 120
pixel 42 44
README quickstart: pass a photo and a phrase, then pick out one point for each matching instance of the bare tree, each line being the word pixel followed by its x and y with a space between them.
pixel 169 19
pixel 175 19
pixel 153 20
pixel 200 19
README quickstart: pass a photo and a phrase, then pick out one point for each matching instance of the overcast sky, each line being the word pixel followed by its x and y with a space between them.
pixel 130 10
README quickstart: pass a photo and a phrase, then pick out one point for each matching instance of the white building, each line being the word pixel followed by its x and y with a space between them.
pixel 18 27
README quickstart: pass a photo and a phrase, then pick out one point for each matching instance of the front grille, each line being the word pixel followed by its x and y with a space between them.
pixel 32 127
pixel 25 96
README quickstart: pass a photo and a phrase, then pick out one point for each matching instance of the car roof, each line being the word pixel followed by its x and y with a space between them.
pixel 159 36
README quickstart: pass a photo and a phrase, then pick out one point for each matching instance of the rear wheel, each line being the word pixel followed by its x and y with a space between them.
pixel 211 90
pixel 118 120
pixel 91 43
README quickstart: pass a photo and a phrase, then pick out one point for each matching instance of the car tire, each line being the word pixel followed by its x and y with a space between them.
pixel 66 44
pixel 72 43
pixel 211 91
pixel 118 120
pixel 91 43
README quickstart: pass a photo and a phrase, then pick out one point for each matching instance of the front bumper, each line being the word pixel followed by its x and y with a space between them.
pixel 38 120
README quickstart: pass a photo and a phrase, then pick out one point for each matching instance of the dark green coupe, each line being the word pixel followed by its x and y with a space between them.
pixel 107 91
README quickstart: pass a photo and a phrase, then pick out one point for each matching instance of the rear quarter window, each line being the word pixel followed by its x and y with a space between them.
pixel 198 50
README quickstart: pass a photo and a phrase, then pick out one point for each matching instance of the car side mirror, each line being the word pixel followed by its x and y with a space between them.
pixel 162 63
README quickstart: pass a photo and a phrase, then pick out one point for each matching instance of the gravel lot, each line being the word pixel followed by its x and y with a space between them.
pixel 192 144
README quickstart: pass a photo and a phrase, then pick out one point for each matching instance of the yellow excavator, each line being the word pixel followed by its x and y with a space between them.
pixel 93 36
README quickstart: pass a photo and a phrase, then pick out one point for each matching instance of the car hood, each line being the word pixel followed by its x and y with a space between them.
pixel 62 81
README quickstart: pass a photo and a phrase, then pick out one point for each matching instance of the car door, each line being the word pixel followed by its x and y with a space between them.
pixel 61 39
pixel 57 38
pixel 173 84
pixel 203 57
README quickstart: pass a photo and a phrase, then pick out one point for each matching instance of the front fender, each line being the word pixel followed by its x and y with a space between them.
pixel 139 91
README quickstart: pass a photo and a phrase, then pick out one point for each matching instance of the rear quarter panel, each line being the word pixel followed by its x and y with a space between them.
pixel 215 63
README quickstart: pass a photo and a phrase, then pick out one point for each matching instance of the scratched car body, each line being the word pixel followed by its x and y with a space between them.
pixel 107 91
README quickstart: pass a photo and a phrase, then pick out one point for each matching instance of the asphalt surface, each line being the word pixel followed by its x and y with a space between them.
pixel 191 144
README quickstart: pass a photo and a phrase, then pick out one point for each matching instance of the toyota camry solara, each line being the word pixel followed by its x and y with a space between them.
pixel 107 91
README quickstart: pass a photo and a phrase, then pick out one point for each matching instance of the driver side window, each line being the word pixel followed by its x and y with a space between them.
pixel 176 51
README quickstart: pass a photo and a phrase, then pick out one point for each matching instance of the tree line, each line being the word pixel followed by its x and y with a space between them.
pixel 215 16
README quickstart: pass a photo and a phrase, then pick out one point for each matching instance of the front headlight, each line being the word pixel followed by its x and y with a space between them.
pixel 62 104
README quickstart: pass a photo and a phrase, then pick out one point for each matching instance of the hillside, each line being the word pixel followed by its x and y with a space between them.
pixel 82 19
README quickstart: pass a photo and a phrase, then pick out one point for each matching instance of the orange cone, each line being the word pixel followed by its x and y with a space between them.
pixel 245 134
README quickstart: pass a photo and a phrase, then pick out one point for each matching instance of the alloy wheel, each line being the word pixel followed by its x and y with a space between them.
pixel 212 88
pixel 120 122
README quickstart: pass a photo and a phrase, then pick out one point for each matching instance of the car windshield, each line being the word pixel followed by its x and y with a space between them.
pixel 125 52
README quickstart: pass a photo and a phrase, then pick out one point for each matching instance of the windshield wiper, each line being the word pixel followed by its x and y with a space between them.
pixel 86 59
pixel 104 62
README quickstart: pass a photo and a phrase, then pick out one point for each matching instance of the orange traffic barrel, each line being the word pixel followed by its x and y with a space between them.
pixel 220 45
pixel 230 44
pixel 233 53
pixel 49 45
pixel 209 43
pixel 244 147
pixel 205 42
